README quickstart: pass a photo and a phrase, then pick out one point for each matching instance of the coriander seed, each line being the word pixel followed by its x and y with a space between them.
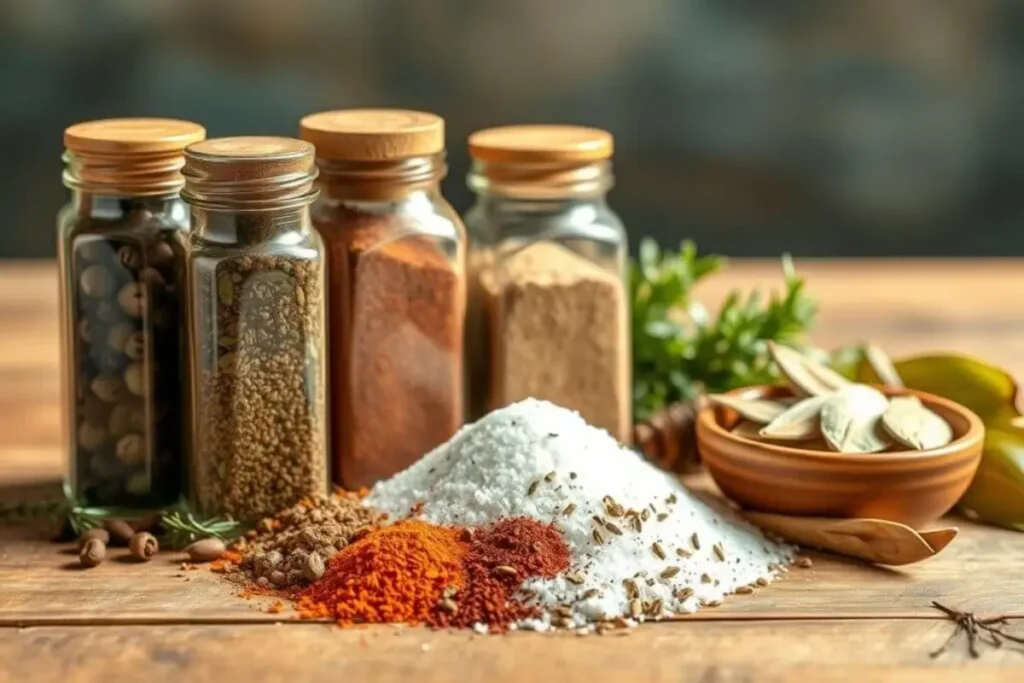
pixel 256 280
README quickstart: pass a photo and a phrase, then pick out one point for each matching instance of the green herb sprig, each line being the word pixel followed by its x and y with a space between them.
pixel 679 351
pixel 182 528
pixel 179 526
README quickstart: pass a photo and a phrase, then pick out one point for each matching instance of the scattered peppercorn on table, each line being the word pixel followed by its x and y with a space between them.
pixel 837 620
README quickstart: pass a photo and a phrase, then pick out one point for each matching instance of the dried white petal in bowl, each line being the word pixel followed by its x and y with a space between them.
pixel 761 411
pixel 798 423
pixel 907 421
pixel 803 374
pixel 850 420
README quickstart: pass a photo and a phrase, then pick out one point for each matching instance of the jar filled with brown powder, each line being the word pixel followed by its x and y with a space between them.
pixel 547 264
pixel 121 255
pixel 397 286
pixel 256 324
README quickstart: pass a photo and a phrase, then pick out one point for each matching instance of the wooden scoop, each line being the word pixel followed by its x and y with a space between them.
pixel 874 540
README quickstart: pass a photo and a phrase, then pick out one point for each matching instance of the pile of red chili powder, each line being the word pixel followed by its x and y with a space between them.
pixel 414 572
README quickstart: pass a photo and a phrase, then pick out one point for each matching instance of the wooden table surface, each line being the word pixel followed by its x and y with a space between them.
pixel 837 621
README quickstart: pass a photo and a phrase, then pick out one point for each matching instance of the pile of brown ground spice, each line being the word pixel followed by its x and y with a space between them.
pixel 293 546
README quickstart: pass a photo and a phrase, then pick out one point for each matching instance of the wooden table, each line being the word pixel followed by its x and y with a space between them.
pixel 836 621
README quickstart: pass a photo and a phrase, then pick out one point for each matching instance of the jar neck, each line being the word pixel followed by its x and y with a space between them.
pixel 503 204
pixel 151 174
pixel 542 181
pixel 285 226
pixel 391 181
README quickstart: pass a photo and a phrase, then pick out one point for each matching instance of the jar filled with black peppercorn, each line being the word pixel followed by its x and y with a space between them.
pixel 255 279
pixel 120 247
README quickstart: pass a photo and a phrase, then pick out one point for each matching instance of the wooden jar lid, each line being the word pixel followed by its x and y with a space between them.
pixel 540 143
pixel 373 134
pixel 132 136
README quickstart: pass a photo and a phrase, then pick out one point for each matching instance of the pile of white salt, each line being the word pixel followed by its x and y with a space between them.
pixel 642 545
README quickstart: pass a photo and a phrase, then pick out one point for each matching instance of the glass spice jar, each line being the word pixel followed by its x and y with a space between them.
pixel 255 278
pixel 397 284
pixel 549 315
pixel 120 249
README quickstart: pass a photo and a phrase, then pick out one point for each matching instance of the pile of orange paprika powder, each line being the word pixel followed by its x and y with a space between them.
pixel 413 572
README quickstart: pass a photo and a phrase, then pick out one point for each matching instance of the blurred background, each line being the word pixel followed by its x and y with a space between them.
pixel 821 127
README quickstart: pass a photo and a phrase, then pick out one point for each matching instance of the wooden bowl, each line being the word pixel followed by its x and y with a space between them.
pixel 911 487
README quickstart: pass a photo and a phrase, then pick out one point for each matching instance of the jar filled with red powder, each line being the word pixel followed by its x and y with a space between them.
pixel 397 288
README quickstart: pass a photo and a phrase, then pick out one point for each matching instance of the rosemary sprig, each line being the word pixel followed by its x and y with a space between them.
pixel 182 528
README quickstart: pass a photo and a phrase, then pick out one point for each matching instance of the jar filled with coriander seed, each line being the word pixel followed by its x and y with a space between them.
pixel 121 255
pixel 548 313
pixel 255 277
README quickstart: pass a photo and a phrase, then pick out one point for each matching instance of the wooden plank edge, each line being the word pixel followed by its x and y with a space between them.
pixel 155 619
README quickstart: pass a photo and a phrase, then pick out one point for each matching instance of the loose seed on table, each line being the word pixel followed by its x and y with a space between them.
pixel 761 581
pixel 143 546
pixel 206 550
pixel 101 535
pixel 120 531
pixel 92 553
pixel 744 590
pixel 804 562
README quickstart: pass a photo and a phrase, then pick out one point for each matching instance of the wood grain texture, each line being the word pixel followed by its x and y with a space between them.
pixel 813 625
pixel 793 652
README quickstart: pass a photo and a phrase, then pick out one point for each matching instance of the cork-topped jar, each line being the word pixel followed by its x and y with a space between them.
pixel 548 312
pixel 120 249
pixel 255 274
pixel 397 288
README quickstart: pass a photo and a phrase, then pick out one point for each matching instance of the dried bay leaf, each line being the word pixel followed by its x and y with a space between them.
pixel 914 426
pixel 761 411
pixel 804 375
pixel 850 420
pixel 798 423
